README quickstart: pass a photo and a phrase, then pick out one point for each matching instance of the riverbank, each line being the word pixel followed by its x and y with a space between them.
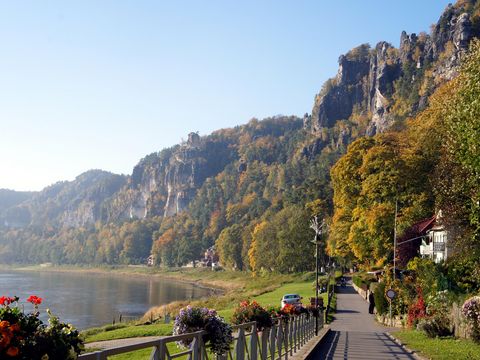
pixel 227 287
pixel 197 277
pixel 224 305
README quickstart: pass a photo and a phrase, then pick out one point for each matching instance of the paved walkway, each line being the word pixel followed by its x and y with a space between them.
pixel 355 334
pixel 108 344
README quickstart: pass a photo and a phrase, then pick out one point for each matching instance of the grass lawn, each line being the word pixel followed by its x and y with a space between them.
pixel 132 331
pixel 439 348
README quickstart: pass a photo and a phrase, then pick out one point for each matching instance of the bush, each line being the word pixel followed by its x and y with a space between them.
pixel 381 303
pixel 363 281
pixel 437 321
pixel 471 310
pixel 435 326
pixel 417 310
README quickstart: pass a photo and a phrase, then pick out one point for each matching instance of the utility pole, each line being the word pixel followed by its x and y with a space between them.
pixel 395 241
pixel 394 256
pixel 318 228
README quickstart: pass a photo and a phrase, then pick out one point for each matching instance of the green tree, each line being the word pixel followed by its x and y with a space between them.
pixel 229 247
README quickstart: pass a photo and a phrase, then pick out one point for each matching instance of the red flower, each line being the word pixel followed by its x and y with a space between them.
pixel 5 300
pixel 12 351
pixel 35 300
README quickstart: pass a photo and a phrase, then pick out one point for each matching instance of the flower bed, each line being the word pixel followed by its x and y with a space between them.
pixel 25 337
pixel 251 311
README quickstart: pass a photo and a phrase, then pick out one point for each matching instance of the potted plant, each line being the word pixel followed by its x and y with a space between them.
pixel 23 336
pixel 252 311
pixel 218 333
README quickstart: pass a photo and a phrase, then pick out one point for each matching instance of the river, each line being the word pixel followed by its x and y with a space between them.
pixel 87 299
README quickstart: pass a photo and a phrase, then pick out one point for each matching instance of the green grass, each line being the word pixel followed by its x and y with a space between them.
pixel 439 348
pixel 132 331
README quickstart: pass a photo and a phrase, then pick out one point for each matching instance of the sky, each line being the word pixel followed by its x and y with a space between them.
pixel 101 84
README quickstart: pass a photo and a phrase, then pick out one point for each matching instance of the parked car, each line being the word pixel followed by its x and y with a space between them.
pixel 293 299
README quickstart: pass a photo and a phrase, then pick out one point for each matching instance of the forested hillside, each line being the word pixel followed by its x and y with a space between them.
pixel 432 162
pixel 251 190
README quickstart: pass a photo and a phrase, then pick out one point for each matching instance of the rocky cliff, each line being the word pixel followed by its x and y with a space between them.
pixel 388 84
pixel 163 183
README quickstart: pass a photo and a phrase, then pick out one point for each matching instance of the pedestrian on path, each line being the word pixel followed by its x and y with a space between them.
pixel 371 305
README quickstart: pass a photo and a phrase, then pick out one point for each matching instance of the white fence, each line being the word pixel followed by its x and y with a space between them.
pixel 280 341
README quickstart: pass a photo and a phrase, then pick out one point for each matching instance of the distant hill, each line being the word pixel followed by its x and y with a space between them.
pixel 220 188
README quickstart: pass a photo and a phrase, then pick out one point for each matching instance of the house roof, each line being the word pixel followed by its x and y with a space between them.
pixel 425 224
pixel 419 228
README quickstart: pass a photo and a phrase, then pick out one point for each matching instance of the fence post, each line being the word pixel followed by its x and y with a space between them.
pixel 264 348
pixel 194 348
pixel 285 336
pixel 302 330
pixel 273 340
pixel 254 343
pixel 280 338
pixel 240 346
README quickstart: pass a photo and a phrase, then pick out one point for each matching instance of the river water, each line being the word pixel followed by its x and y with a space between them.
pixel 91 299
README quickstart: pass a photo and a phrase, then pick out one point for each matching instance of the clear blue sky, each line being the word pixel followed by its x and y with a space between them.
pixel 101 84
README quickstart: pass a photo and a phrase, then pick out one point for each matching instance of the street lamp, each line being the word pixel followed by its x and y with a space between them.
pixel 319 230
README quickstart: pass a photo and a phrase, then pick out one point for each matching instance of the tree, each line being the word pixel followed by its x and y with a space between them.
pixel 229 247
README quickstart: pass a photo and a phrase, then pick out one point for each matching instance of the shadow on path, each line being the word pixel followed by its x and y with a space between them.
pixel 345 290
pixel 355 334
pixel 346 311
pixel 360 345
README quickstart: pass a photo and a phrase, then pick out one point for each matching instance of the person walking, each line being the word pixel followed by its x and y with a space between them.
pixel 371 305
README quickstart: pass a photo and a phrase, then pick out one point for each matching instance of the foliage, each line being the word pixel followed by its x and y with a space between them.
pixel 428 276
pixel 437 322
pixel 283 242
pixel 191 319
pixel 25 337
pixel 363 281
pixel 417 310
pixel 459 172
pixel 463 273
pixel 381 303
pixel 251 311
pixel 367 181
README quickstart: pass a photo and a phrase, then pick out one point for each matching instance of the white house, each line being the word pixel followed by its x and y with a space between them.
pixel 435 244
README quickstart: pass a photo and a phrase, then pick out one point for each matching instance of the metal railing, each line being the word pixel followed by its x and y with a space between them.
pixel 279 342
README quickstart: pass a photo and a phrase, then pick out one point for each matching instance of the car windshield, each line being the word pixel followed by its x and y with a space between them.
pixel 291 296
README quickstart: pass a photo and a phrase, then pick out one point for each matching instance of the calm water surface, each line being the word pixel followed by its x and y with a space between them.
pixel 87 299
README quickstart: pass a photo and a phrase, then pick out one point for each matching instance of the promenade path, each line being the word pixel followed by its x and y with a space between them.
pixel 108 344
pixel 355 334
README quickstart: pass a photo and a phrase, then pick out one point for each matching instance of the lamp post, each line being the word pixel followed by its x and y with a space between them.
pixel 319 229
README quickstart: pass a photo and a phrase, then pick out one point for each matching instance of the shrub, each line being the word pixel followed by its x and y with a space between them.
pixel 381 303
pixel 251 311
pixel 435 326
pixel 471 310
pixel 416 310
pixel 363 281
pixel 437 321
